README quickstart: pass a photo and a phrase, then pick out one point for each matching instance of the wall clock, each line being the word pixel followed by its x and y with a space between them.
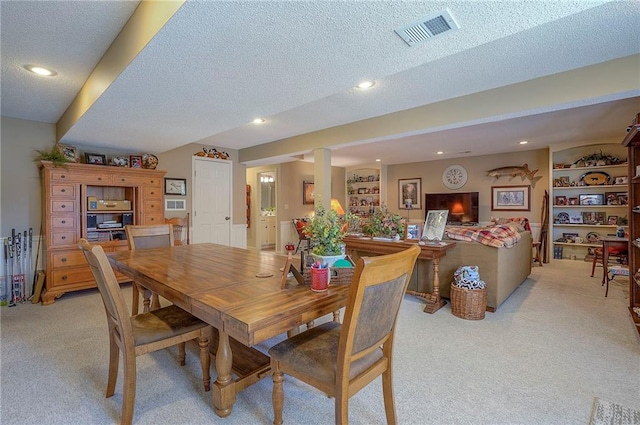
pixel 454 176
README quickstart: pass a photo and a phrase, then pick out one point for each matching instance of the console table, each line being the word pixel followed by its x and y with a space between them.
pixel 432 252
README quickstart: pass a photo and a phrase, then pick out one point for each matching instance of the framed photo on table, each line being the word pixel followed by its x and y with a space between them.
pixel 412 232
pixel 434 225
pixel 409 194
pixel 175 186
pixel 512 198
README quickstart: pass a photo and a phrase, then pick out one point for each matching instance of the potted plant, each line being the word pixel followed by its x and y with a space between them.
pixel 326 231
pixel 55 155
pixel 385 224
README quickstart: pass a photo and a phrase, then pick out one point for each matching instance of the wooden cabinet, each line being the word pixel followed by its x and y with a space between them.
pixel 588 199
pixel 93 202
pixel 364 190
pixel 632 142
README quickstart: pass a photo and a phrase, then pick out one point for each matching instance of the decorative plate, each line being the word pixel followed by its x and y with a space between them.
pixel 593 237
pixel 595 178
pixel 149 161
pixel 563 218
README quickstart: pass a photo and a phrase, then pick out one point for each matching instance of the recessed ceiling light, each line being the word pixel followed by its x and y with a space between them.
pixel 40 70
pixel 366 85
pixel 439 152
pixel 259 121
pixel 524 142
pixel 378 160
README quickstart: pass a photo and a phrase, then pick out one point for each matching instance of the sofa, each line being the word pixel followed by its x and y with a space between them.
pixel 503 269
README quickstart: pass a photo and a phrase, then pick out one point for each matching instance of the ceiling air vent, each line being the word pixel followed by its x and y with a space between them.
pixel 431 26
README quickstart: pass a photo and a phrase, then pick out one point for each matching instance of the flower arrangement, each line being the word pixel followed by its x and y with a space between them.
pixel 384 223
pixel 326 231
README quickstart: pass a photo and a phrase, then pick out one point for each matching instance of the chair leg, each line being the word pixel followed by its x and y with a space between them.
pixel 342 408
pixel 135 298
pixel 129 389
pixel 114 358
pixel 387 392
pixel 277 397
pixel 182 354
pixel 593 264
pixel 205 359
pixel 155 301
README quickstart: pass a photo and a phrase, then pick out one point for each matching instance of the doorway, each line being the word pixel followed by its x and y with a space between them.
pixel 267 223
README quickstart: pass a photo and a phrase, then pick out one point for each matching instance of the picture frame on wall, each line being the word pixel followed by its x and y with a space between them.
pixel 95 158
pixel 308 194
pixel 409 194
pixel 174 186
pixel 512 198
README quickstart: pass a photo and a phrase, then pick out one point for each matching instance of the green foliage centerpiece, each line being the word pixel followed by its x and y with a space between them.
pixel 326 232
pixel 384 223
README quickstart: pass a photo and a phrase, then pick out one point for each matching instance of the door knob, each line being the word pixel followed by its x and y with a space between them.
pixel 227 218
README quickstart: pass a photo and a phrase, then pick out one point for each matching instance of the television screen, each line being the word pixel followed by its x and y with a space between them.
pixel 463 206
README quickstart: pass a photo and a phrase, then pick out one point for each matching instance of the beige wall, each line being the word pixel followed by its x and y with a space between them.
pixel 431 174
pixel 21 200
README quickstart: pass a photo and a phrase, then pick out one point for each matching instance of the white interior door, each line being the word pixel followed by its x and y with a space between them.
pixel 212 189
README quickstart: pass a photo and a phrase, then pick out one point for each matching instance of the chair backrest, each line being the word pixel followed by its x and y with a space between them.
pixel 377 289
pixel 156 236
pixel 180 229
pixel 114 304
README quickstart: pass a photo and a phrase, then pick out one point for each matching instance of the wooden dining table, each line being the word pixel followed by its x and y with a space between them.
pixel 237 291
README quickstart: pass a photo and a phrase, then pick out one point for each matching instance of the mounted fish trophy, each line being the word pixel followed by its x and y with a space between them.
pixel 513 171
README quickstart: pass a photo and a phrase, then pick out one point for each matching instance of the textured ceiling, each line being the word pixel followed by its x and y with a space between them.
pixel 216 65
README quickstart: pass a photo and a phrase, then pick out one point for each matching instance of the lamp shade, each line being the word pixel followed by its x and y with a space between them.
pixel 335 205
pixel 457 208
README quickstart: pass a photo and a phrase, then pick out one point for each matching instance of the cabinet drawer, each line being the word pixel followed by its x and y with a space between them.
pixel 63 206
pixel 63 221
pixel 127 180
pixel 60 238
pixel 70 176
pixel 68 259
pixel 153 219
pixel 152 207
pixel 72 275
pixel 63 190
pixel 152 192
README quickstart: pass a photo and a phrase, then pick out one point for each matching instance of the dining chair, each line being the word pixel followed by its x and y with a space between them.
pixel 142 333
pixel 300 224
pixel 617 250
pixel 141 237
pixel 340 359
pixel 180 229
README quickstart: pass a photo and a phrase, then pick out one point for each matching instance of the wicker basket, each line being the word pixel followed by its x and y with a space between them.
pixel 468 304
pixel 339 275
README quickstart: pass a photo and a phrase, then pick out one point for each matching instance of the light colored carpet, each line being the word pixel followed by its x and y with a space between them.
pixel 608 413
pixel 552 347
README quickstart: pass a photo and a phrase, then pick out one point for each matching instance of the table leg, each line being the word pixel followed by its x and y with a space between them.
pixel 435 302
pixel 224 392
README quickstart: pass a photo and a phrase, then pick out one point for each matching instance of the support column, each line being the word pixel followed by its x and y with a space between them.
pixel 322 176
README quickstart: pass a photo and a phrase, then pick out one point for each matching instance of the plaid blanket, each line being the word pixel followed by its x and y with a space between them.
pixel 502 235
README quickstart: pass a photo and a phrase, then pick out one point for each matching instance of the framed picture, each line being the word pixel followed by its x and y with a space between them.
pixel 573 201
pixel 308 195
pixel 575 218
pixel 620 180
pixel 69 152
pixel 593 217
pixel 95 158
pixel 561 200
pixel 612 220
pixel 135 161
pixel 570 237
pixel 592 199
pixel 562 181
pixel 175 186
pixel 434 225
pixel 409 194
pixel 412 232
pixel 511 198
